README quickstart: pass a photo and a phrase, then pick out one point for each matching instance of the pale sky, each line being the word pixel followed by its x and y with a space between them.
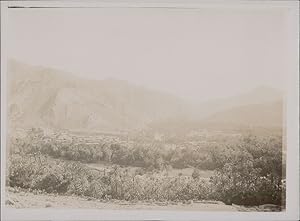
pixel 196 54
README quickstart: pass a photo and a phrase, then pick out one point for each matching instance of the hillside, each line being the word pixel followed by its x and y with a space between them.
pixel 258 95
pixel 261 107
pixel 50 98
pixel 269 114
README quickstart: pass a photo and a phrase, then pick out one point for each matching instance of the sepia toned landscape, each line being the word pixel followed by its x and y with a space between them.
pixel 150 108
pixel 81 143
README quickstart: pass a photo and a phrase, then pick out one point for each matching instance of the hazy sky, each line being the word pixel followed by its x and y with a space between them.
pixel 196 54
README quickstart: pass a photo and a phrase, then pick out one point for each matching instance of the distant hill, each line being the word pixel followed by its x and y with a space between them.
pixel 269 114
pixel 259 95
pixel 45 97
pixel 261 107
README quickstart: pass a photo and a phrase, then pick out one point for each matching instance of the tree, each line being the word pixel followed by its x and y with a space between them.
pixel 196 174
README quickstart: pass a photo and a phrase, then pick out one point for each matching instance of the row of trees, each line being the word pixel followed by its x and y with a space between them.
pixel 153 155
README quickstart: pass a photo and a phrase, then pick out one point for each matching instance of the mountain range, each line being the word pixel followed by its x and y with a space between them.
pixel 46 97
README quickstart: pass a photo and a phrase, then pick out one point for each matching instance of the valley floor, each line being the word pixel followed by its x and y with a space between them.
pixel 31 200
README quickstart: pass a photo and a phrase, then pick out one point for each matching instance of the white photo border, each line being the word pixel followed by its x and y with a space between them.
pixel 292 118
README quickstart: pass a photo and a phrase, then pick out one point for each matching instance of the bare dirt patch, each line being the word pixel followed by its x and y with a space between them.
pixel 31 200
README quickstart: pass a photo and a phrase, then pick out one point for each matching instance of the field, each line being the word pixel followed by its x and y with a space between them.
pixel 172 172
pixel 226 171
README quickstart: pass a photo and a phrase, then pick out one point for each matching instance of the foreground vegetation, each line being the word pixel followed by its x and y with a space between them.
pixel 247 171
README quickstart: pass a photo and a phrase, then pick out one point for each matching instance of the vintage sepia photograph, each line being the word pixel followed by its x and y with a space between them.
pixel 157 108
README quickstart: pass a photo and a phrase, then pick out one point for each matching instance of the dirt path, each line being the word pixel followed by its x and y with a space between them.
pixel 30 200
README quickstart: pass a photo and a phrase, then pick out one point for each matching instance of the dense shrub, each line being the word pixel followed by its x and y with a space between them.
pixel 248 171
pixel 40 172
pixel 55 176
pixel 147 155
pixel 250 176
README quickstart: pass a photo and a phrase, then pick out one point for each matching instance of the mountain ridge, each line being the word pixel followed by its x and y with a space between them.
pixel 46 97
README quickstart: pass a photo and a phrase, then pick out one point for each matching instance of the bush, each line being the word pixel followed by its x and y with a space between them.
pixel 40 172
pixel 250 176
pixel 56 176
pixel 196 174
pixel 152 156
